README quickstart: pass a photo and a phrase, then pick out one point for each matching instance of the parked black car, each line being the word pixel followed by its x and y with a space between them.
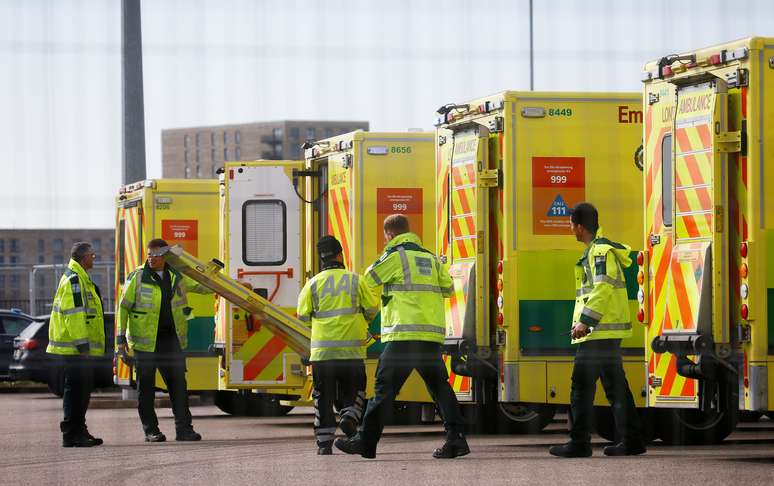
pixel 31 362
pixel 12 322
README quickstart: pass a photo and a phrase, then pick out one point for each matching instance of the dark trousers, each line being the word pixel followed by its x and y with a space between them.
pixel 343 381
pixel 78 383
pixel 170 362
pixel 601 359
pixel 397 361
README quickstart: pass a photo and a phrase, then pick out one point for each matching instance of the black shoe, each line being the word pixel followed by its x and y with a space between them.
pixel 348 425
pixel 187 435
pixel 155 437
pixel 325 451
pixel 571 449
pixel 452 448
pixel 97 440
pixel 622 449
pixel 354 446
pixel 80 441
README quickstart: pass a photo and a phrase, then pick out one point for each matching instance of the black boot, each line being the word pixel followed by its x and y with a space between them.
pixel 80 441
pixel 325 450
pixel 187 435
pixel 571 449
pixel 155 436
pixel 348 425
pixel 623 449
pixel 355 446
pixel 455 446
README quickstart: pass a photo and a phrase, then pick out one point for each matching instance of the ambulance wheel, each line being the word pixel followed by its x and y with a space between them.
pixel 230 402
pixel 523 418
pixel 697 427
pixel 604 424
pixel 770 415
pixel 406 413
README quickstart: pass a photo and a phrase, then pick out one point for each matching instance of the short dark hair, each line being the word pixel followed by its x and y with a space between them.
pixel 80 250
pixel 586 215
pixel 157 243
pixel 396 224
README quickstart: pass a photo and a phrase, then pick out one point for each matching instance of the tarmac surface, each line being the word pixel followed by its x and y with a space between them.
pixel 281 450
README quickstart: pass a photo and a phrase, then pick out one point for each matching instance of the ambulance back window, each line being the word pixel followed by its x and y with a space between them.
pixel 264 235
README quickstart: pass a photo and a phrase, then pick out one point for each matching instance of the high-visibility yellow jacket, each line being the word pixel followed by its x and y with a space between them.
pixel 601 300
pixel 414 286
pixel 339 307
pixel 77 323
pixel 140 306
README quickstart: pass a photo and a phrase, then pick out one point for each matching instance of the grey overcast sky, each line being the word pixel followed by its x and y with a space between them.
pixel 212 62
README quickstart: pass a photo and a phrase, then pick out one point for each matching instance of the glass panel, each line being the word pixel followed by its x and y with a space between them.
pixel 264 233
pixel 667 180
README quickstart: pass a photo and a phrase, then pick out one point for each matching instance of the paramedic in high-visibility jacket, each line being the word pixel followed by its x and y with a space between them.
pixel 339 307
pixel 76 334
pixel 414 285
pixel 153 315
pixel 599 322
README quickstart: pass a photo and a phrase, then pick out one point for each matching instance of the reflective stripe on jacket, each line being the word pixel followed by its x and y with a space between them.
pixel 414 284
pixel 339 307
pixel 140 305
pixel 601 300
pixel 77 322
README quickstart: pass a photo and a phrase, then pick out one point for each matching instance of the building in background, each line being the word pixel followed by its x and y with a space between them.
pixel 198 152
pixel 44 253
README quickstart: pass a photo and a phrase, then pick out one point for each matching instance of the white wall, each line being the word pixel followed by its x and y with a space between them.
pixel 227 61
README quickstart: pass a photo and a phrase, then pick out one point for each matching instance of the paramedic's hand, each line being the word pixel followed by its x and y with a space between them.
pixel 246 284
pixel 580 330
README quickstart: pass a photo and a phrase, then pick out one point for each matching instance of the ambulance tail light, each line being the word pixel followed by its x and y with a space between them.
pixel 642 291
pixel 743 249
pixel 715 59
pixel 744 311
pixel 500 319
pixel 500 267
pixel 743 270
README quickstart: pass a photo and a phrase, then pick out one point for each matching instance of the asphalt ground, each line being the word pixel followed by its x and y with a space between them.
pixel 267 451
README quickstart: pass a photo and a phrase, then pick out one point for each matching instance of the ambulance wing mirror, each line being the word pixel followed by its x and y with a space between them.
pixel 639 160
pixel 308 173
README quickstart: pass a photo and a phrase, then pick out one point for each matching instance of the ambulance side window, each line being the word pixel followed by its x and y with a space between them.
pixel 264 232
pixel 667 180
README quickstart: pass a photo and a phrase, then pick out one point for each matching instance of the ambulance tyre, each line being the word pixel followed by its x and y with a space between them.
pixel 522 418
pixel 696 427
pixel 604 424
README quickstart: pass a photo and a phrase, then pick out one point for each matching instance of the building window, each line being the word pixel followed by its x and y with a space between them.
pixel 112 244
pixel 58 244
pixel 2 246
pixel 15 280
pixel 237 137
pixel 186 140
pixel 238 153
pixel 198 171
pixel 212 138
pixel 187 172
pixel 225 137
pixel 2 282
pixel 13 260
pixel 263 240
pixel 41 246
pixel 295 152
pixel 58 259
pixel 14 245
pixel 96 244
pixel 278 150
pixel 276 133
pixel 41 259
pixel 294 132
pixel 328 132
pixel 225 154
pixel 2 260
pixel 212 155
pixel 310 133
pixel 198 137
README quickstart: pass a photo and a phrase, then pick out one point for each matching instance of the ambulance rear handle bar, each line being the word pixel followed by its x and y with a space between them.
pixel 278 273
